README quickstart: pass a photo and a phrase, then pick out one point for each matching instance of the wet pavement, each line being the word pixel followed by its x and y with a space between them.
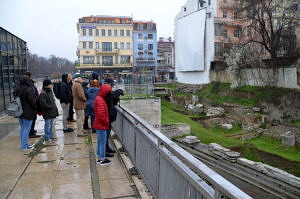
pixel 59 170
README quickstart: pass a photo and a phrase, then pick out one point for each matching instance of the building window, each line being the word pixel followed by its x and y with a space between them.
pixel 97 32
pixel 122 33
pixel 236 33
pixel 84 45
pixel 224 14
pixel 128 45
pixel 106 46
pixel 150 46
pixel 140 26
pixel 107 60
pixel 140 46
pixel 88 59
pixel 225 33
pixel 219 29
pixel 128 33
pixel 103 32
pixel 90 32
pixel 98 59
pixel 117 59
pixel 235 15
pixel 140 36
pixel 84 32
pixel 224 1
pixel 125 59
pixel 109 33
pixel 218 49
pixel 122 45
pixel 116 45
pixel 150 54
pixel 140 54
pixel 90 44
pixel 115 33
pixel 150 36
pixel 97 45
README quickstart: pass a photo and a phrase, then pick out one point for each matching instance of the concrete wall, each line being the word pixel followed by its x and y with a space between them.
pixel 148 109
pixel 281 77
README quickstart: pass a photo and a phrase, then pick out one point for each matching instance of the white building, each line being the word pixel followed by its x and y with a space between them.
pixel 194 41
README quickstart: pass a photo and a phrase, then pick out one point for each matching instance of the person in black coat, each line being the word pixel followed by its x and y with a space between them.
pixel 32 132
pixel 111 99
pixel 26 93
pixel 65 99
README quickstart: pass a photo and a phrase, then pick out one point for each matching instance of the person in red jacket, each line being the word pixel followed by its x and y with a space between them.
pixel 101 123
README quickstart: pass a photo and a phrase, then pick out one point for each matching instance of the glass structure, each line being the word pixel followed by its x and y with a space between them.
pixel 13 64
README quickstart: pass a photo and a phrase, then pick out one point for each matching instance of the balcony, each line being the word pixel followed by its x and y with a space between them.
pixel 234 5
pixel 228 21
pixel 144 59
pixel 109 52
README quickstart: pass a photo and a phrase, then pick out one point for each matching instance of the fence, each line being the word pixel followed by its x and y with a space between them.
pixel 139 89
pixel 167 169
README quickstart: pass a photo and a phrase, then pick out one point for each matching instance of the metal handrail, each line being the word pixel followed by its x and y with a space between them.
pixel 193 170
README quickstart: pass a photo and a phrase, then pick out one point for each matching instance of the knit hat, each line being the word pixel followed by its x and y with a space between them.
pixel 46 82
pixel 77 75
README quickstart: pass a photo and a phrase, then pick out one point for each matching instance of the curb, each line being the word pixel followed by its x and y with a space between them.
pixel 141 188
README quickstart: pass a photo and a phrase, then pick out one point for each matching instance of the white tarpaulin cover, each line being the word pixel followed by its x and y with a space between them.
pixel 189 42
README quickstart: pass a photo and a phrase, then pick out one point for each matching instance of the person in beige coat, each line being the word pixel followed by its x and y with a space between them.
pixel 79 103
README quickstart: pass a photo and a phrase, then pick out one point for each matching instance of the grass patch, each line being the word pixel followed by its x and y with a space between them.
pixel 294 122
pixel 273 146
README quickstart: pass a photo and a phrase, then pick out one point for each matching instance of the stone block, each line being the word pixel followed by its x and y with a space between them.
pixel 191 140
pixel 226 126
pixel 271 171
pixel 288 138
pixel 215 111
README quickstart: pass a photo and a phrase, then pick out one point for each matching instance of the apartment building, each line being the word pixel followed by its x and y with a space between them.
pixel 13 63
pixel 105 45
pixel 229 25
pixel 165 59
pixel 145 46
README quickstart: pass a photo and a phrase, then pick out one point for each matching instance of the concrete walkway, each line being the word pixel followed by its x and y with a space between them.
pixel 61 170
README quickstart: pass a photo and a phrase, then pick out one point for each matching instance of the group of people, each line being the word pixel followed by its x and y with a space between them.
pixel 90 99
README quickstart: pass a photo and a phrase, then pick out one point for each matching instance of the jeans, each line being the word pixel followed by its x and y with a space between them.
pixel 101 143
pixel 24 132
pixel 65 108
pixel 48 129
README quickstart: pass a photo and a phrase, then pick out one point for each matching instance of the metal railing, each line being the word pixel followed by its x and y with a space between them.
pixel 167 169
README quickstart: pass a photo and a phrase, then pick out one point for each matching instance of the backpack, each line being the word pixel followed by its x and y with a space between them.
pixel 56 89
pixel 15 107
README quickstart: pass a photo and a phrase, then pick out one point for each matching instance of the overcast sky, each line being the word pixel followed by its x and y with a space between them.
pixel 49 26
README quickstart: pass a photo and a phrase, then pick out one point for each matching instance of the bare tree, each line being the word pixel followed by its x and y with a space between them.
pixel 270 22
pixel 41 66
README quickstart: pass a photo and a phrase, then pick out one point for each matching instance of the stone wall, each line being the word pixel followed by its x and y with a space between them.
pixel 279 77
pixel 148 109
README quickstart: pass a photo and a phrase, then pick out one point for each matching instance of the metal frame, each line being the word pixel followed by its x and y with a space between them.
pixel 168 170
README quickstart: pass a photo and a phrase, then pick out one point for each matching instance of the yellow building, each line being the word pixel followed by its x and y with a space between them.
pixel 105 45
